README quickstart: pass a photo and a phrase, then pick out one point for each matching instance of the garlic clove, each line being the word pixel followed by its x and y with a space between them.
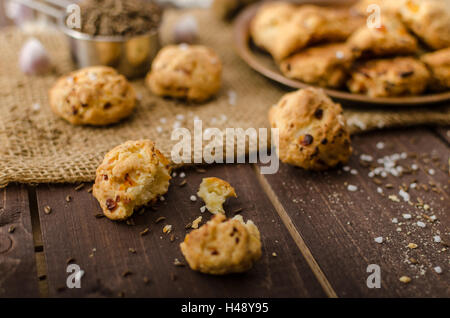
pixel 34 58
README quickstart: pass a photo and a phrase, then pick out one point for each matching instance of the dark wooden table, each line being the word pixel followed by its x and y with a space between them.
pixel 318 237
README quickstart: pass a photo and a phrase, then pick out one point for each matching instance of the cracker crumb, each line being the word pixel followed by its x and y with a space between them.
pixel 196 222
pixel 412 245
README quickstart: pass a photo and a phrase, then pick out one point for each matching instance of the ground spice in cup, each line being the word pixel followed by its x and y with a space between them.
pixel 119 17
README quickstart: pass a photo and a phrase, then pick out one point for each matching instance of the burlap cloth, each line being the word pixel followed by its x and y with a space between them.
pixel 38 147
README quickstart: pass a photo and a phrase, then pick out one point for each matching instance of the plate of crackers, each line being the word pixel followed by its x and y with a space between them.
pixel 371 52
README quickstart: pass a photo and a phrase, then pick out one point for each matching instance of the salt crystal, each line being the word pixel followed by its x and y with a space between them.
pixel 379 240
pixel 405 195
pixel 431 172
pixel 371 174
pixel 395 220
pixel 421 224
pixel 413 185
pixel 346 168
pixel 193 198
pixel 182 175
pixel 380 145
pixel 407 216
pixel 354 172
pixel 174 174
pixel 203 209
pixel 232 96
pixel 437 239
pixel 414 167
pixel 365 157
pixel 403 155
pixel 162 198
pixel 340 55
pixel 379 190
pixel 438 269
pixel 352 188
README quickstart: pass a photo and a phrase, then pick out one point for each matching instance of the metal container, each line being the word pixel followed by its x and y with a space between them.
pixel 131 56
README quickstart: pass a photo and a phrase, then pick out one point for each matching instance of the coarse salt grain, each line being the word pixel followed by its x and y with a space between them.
pixel 346 168
pixel 371 174
pixel 380 145
pixel 352 188
pixel 182 175
pixel 232 97
pixel 203 209
pixel 405 195
pixel 421 224
pixel 193 198
pixel 395 220
pixel 354 172
pixel 365 157
pixel 414 167
pixel 162 198
pixel 438 269
pixel 379 190
pixel 437 239
pixel 379 240
pixel 407 216
pixel 413 185
pixel 431 172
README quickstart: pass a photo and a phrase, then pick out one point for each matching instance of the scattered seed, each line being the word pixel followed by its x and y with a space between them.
pixel 144 232
pixel 412 245
pixel 68 198
pixel 237 211
pixel 126 273
pixel 405 279
pixel 89 190
pixel 79 187
pixel 167 228
pixel 11 229
pixel 188 226
pixel 413 260
pixel 47 209
pixel 132 250
pixel 176 262
pixel 160 219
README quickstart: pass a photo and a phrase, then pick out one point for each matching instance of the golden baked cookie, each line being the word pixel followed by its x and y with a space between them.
pixel 326 65
pixel 214 192
pixel 222 246
pixel 95 95
pixel 391 38
pixel 283 29
pixel 429 20
pixel 131 175
pixel 439 65
pixel 389 77
pixel 312 130
pixel 192 72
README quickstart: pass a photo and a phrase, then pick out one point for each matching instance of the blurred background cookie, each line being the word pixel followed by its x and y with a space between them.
pixel 191 72
pixel 439 65
pixel 429 20
pixel 326 65
pixel 390 38
pixel 95 95
pixel 389 77
pixel 312 130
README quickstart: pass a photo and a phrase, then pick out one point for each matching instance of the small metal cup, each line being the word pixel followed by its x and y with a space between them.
pixel 131 56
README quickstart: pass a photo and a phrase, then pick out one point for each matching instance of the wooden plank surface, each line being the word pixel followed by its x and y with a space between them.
pixel 444 133
pixel 18 276
pixel 101 247
pixel 339 226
